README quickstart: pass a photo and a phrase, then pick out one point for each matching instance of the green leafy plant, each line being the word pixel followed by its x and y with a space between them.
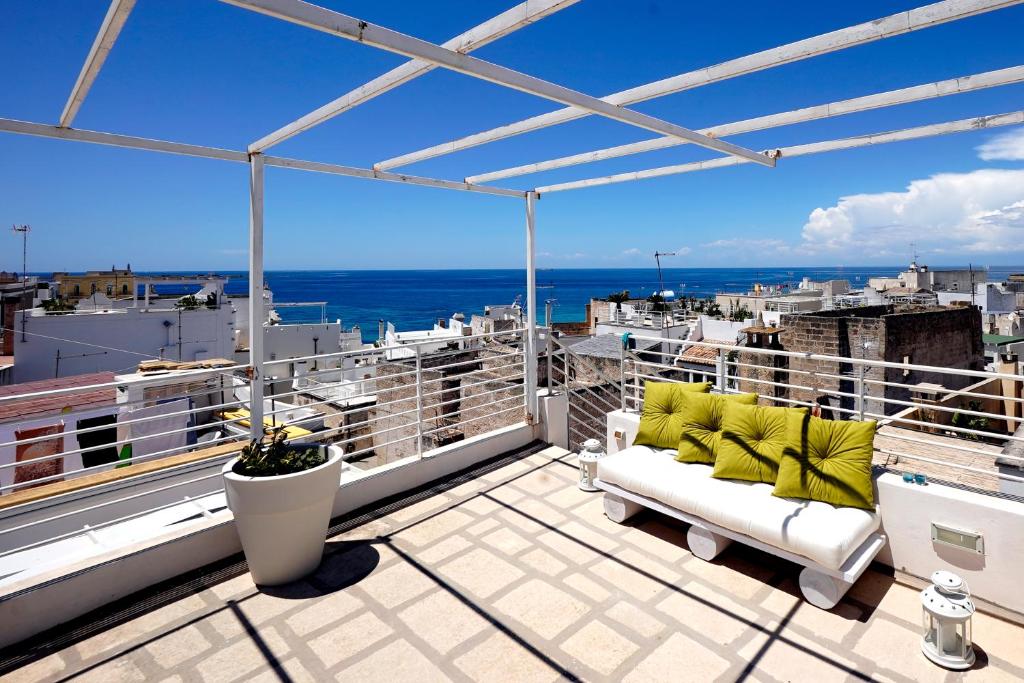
pixel 57 306
pixel 965 421
pixel 739 312
pixel 619 298
pixel 263 458
pixel 658 303
pixel 188 303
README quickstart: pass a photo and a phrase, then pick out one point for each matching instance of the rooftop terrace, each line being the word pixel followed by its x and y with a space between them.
pixel 534 584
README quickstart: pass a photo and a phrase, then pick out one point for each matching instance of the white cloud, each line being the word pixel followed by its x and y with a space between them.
pixel 1005 147
pixel 980 211
pixel 631 252
pixel 683 251
pixel 747 243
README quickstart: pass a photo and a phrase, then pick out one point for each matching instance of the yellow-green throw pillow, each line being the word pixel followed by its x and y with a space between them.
pixel 830 462
pixel 659 422
pixel 701 417
pixel 753 441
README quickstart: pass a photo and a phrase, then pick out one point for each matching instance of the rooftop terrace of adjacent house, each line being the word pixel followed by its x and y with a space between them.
pixel 494 517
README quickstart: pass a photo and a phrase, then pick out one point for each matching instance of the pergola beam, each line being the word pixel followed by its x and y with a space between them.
pixel 343 26
pixel 497 27
pixel 870 31
pixel 952 86
pixel 111 27
pixel 130 142
pixel 372 174
pixel 932 130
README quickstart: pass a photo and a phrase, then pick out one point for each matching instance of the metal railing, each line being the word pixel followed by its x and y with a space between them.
pixel 594 388
pixel 955 425
pixel 405 410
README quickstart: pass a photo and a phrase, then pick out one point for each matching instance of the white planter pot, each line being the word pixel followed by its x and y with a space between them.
pixel 283 520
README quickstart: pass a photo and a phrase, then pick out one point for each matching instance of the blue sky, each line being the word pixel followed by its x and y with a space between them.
pixel 203 72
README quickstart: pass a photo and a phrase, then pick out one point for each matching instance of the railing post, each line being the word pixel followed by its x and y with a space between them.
pixel 419 402
pixel 257 313
pixel 720 366
pixel 861 391
pixel 530 381
pixel 549 347
pixel 622 375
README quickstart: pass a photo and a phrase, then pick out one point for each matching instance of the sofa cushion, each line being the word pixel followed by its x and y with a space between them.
pixel 660 423
pixel 753 440
pixel 818 531
pixel 701 416
pixel 830 463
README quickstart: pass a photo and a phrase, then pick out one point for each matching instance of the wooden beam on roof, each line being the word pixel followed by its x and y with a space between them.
pixel 497 27
pixel 935 129
pixel 952 86
pixel 343 26
pixel 111 27
pixel 869 31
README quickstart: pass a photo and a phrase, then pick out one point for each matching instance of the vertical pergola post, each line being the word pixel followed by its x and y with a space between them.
pixel 530 340
pixel 256 309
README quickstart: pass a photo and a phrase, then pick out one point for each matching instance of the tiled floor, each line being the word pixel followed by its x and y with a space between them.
pixel 518 576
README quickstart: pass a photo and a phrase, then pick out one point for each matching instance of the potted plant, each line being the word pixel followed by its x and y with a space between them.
pixel 282 495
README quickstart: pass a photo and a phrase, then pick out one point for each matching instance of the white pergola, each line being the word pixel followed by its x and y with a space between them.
pixel 454 55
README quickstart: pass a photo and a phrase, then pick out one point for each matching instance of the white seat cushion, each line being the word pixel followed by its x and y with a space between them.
pixel 818 531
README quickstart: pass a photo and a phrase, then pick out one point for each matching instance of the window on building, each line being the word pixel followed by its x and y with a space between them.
pixel 124 289
pixel 92 288
pixel 78 290
pixel 110 289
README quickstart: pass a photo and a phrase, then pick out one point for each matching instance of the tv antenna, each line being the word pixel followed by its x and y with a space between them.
pixel 657 260
pixel 24 230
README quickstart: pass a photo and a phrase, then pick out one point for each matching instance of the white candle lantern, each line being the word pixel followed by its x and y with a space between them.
pixel 947 610
pixel 591 453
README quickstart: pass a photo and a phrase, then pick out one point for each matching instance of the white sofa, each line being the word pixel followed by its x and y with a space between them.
pixel 835 545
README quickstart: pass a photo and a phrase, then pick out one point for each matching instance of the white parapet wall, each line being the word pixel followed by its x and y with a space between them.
pixel 908 511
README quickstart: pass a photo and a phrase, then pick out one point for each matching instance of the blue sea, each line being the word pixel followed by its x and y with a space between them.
pixel 415 299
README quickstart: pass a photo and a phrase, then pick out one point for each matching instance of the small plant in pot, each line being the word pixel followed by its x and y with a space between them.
pixel 281 495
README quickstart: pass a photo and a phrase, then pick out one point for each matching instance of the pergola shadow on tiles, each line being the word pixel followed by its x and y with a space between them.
pixel 454 55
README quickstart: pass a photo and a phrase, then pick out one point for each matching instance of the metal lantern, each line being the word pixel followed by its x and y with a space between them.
pixel 591 453
pixel 947 610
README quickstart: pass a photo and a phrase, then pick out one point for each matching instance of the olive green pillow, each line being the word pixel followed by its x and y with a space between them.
pixel 659 422
pixel 701 417
pixel 830 462
pixel 753 441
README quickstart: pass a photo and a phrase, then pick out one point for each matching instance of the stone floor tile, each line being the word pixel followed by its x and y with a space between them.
pixel 679 658
pixel 568 547
pixel 177 646
pixel 480 505
pixel 431 529
pixel 142 627
pixel 741 586
pixel 597 541
pixel 396 584
pixel 659 537
pixel 507 541
pixel 600 647
pixel 569 497
pixel 231 588
pixel 837 622
pixel 316 614
pixel 500 658
pixel 443 549
pixel 545 609
pixel 481 572
pixel 722 627
pixel 120 670
pixel 508 471
pixel 792 658
pixel 632 617
pixel 291 670
pixel 542 561
pixel 239 660
pixel 460 622
pixel 626 579
pixel 1000 639
pixel 484 526
pixel 349 637
pixel 540 482
pixel 418 509
pixel 895 648
pixel 593 591
pixel 43 669
pixel 398 661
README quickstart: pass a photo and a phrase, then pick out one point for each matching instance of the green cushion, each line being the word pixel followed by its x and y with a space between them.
pixel 659 422
pixel 701 416
pixel 831 462
pixel 753 441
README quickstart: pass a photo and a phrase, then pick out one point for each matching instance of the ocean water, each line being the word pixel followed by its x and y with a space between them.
pixel 415 299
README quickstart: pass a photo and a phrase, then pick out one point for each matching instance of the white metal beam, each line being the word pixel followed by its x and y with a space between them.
pixel 390 177
pixel 505 23
pixel 343 26
pixel 952 86
pixel 257 310
pixel 114 140
pixel 111 27
pixel 130 142
pixel 885 27
pixel 530 341
pixel 932 130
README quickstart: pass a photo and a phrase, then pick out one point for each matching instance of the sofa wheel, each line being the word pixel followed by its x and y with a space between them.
pixel 822 590
pixel 618 509
pixel 706 544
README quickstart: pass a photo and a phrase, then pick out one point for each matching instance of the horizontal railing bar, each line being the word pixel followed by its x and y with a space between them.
pixel 950 446
pixel 474 419
pixel 945 463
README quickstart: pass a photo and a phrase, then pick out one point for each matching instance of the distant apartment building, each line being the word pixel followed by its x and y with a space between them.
pixel 113 283
pixel 942 337
pixel 917 277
